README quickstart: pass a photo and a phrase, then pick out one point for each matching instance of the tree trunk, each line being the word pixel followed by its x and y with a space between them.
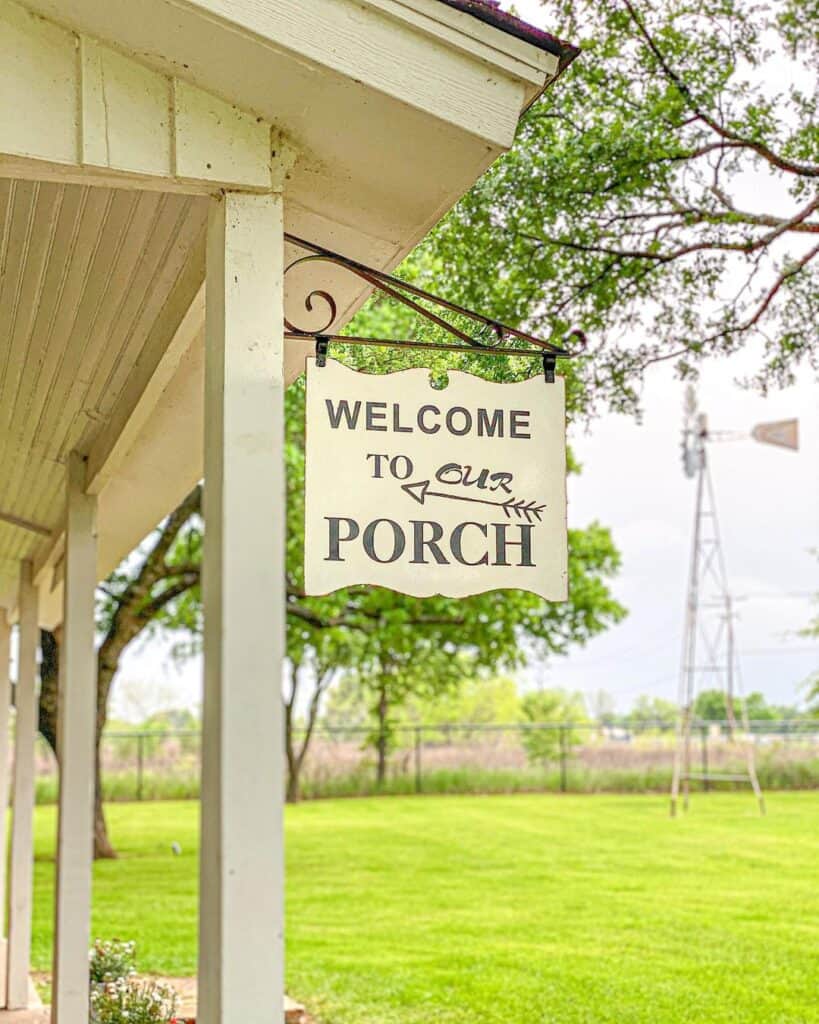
pixel 47 723
pixel 382 739
pixel 103 848
pixel 136 606
pixel 49 682
pixel 296 758
pixel 292 790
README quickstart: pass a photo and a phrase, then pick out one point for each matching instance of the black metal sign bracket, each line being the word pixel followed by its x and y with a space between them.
pixel 487 336
pixel 322 348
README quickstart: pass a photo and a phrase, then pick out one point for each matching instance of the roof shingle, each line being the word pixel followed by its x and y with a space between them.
pixel 489 11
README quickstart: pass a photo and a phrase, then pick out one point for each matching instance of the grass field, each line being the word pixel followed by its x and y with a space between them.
pixel 536 909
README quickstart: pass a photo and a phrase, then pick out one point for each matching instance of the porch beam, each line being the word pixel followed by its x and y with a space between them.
pixel 76 710
pixel 241 879
pixel 21 858
pixel 75 110
pixel 24 524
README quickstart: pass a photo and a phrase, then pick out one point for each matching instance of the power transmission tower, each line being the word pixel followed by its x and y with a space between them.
pixel 709 651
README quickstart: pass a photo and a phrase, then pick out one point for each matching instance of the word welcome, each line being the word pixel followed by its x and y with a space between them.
pixel 428 419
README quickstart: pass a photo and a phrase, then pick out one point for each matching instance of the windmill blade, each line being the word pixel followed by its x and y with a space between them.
pixel 782 433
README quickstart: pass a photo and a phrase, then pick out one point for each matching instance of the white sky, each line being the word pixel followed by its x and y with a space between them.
pixel 768 505
pixel 632 481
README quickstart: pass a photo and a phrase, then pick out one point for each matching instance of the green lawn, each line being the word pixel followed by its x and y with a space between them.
pixel 535 909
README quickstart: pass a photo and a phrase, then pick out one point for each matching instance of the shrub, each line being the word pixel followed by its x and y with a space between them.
pixel 128 1001
pixel 111 961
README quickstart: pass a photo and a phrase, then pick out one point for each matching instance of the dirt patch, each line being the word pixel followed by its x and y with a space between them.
pixel 185 988
pixel 294 1013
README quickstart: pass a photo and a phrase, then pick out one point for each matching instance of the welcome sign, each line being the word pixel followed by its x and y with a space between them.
pixel 452 492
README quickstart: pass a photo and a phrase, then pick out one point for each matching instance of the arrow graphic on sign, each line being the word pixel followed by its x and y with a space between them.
pixel 518 506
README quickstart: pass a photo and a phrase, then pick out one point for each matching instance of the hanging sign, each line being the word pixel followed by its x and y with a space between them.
pixel 452 492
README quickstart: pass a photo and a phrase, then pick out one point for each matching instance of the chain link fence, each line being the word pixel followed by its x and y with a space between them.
pixel 469 758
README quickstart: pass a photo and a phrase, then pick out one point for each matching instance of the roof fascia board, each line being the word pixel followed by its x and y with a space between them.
pixel 279 22
pixel 472 36
pixel 384 50
pixel 534 67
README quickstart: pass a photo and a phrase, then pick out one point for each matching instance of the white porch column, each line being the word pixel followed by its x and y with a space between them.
pixel 5 701
pixel 241 879
pixel 21 858
pixel 75 730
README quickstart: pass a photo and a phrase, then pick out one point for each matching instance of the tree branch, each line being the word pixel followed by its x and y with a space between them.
pixel 731 138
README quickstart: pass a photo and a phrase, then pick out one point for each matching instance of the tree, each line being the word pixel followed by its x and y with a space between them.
pixel 148 583
pixel 602 707
pixel 711 706
pixel 317 653
pixel 403 663
pixel 812 694
pixel 664 196
pixel 546 708
pixel 480 699
pixel 296 751
pixel 652 712
pixel 424 648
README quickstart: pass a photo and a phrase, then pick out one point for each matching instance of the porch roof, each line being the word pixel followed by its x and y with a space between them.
pixel 491 12
pixel 373 116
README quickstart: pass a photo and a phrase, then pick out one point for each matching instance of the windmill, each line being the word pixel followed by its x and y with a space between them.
pixel 709 649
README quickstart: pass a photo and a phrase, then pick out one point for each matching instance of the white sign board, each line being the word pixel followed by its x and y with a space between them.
pixel 453 492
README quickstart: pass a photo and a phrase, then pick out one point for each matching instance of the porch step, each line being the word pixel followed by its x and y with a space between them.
pixel 294 1013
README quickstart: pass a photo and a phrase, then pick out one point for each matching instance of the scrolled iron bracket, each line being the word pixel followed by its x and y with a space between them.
pixel 489 338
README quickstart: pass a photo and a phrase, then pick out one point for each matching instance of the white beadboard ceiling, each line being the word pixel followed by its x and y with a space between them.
pixel 87 276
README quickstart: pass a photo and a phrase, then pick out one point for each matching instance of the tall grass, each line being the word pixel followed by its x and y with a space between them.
pixel 775 772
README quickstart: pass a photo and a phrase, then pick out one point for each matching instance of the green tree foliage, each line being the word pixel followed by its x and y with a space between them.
pixel 812 694
pixel 711 706
pixel 652 712
pixel 663 194
pixel 479 700
pixel 550 706
pixel 602 707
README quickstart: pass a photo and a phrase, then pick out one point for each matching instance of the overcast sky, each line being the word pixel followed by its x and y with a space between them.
pixel 632 481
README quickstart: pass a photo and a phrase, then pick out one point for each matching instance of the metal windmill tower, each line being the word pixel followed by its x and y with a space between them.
pixel 708 638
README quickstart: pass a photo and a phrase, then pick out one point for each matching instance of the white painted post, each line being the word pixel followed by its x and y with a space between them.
pixel 76 711
pixel 242 877
pixel 5 702
pixel 21 859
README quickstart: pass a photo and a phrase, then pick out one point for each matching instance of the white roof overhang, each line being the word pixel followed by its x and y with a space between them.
pixel 373 116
